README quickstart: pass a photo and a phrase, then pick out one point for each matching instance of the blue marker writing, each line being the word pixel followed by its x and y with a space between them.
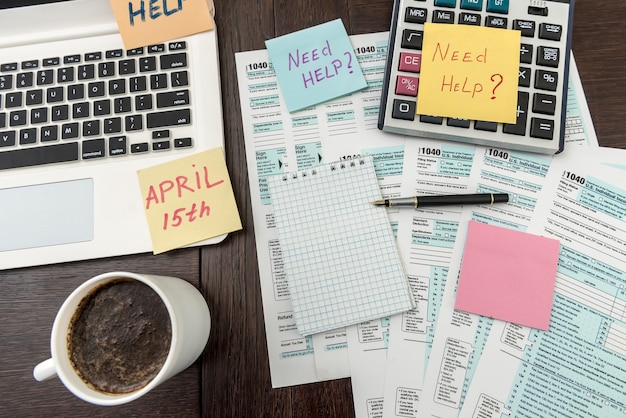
pixel 154 7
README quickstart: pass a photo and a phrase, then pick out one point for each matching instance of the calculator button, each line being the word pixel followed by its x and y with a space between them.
pixel 472 4
pixel 541 128
pixel 548 56
pixel 458 123
pixel 550 31
pixel 546 80
pixel 469 19
pixel 415 15
pixel 537 11
pixel 482 125
pixel 445 3
pixel 544 103
pixel 519 128
pixel 524 77
pixel 526 26
pixel 443 16
pixel 526 54
pixel 435 120
pixel 498 6
pixel 403 109
pixel 412 39
pixel 496 22
pixel 410 62
pixel 407 86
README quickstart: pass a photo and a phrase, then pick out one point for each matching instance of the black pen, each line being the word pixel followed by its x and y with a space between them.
pixel 454 199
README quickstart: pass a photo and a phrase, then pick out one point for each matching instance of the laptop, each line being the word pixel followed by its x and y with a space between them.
pixel 79 115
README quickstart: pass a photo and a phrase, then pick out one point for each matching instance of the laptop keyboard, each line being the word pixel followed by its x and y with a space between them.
pixel 93 105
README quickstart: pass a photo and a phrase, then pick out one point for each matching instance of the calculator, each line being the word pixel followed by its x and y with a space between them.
pixel 546 30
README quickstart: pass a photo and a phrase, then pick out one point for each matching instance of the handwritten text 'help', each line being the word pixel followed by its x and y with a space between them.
pixel 311 77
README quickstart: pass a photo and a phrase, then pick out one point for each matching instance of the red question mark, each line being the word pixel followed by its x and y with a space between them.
pixel 497 85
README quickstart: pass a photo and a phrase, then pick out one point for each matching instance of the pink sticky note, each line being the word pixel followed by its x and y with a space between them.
pixel 508 275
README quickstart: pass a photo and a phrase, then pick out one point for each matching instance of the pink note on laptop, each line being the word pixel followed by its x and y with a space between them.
pixel 508 275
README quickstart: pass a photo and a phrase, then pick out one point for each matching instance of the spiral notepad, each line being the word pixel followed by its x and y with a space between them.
pixel 341 260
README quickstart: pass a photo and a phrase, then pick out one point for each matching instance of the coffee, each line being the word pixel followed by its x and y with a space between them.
pixel 119 336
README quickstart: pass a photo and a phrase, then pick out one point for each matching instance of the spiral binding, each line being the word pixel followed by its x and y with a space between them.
pixel 333 167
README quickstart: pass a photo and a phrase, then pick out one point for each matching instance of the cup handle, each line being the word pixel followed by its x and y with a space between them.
pixel 44 370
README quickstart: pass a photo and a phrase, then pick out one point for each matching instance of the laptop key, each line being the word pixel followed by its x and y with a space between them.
pixel 49 133
pixel 179 79
pixel 69 130
pixel 122 104
pixel 25 80
pixel 93 148
pixel 183 142
pixel 106 69
pixel 117 145
pixel 95 89
pixel 6 82
pixel 17 118
pixel 171 61
pixel 102 107
pixel 160 146
pixel 168 118
pixel 133 123
pixel 113 125
pixel 173 98
pixel 60 112
pixel 28 136
pixel 65 75
pixel 54 94
pixel 45 77
pixel 39 115
pixel 34 97
pixel 138 148
pixel 158 81
pixel 86 72
pixel 31 156
pixel 49 62
pixel 127 67
pixel 13 99
pixel 75 92
pixel 7 139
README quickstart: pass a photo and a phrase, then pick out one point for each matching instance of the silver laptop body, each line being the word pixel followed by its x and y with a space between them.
pixel 69 155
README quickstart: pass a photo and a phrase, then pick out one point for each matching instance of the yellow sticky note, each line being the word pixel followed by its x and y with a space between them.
pixel 188 200
pixel 148 22
pixel 469 72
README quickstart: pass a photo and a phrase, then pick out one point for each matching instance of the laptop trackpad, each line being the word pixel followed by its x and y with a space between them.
pixel 46 214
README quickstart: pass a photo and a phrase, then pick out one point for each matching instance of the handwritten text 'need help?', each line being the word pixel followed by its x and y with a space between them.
pixel 315 65
pixel 147 22
pixel 469 72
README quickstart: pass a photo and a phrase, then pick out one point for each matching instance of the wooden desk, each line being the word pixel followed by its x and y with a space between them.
pixel 232 378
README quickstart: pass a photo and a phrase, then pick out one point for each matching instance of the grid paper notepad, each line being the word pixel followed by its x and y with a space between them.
pixel 341 260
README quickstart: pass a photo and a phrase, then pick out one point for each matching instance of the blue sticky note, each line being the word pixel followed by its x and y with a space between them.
pixel 315 65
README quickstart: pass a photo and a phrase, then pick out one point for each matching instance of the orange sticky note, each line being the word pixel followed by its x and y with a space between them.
pixel 508 275
pixel 469 72
pixel 188 200
pixel 147 22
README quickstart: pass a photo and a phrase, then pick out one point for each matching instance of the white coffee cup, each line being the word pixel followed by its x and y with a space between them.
pixel 190 322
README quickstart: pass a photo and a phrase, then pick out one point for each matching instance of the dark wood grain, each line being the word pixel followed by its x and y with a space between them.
pixel 600 53
pixel 232 378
